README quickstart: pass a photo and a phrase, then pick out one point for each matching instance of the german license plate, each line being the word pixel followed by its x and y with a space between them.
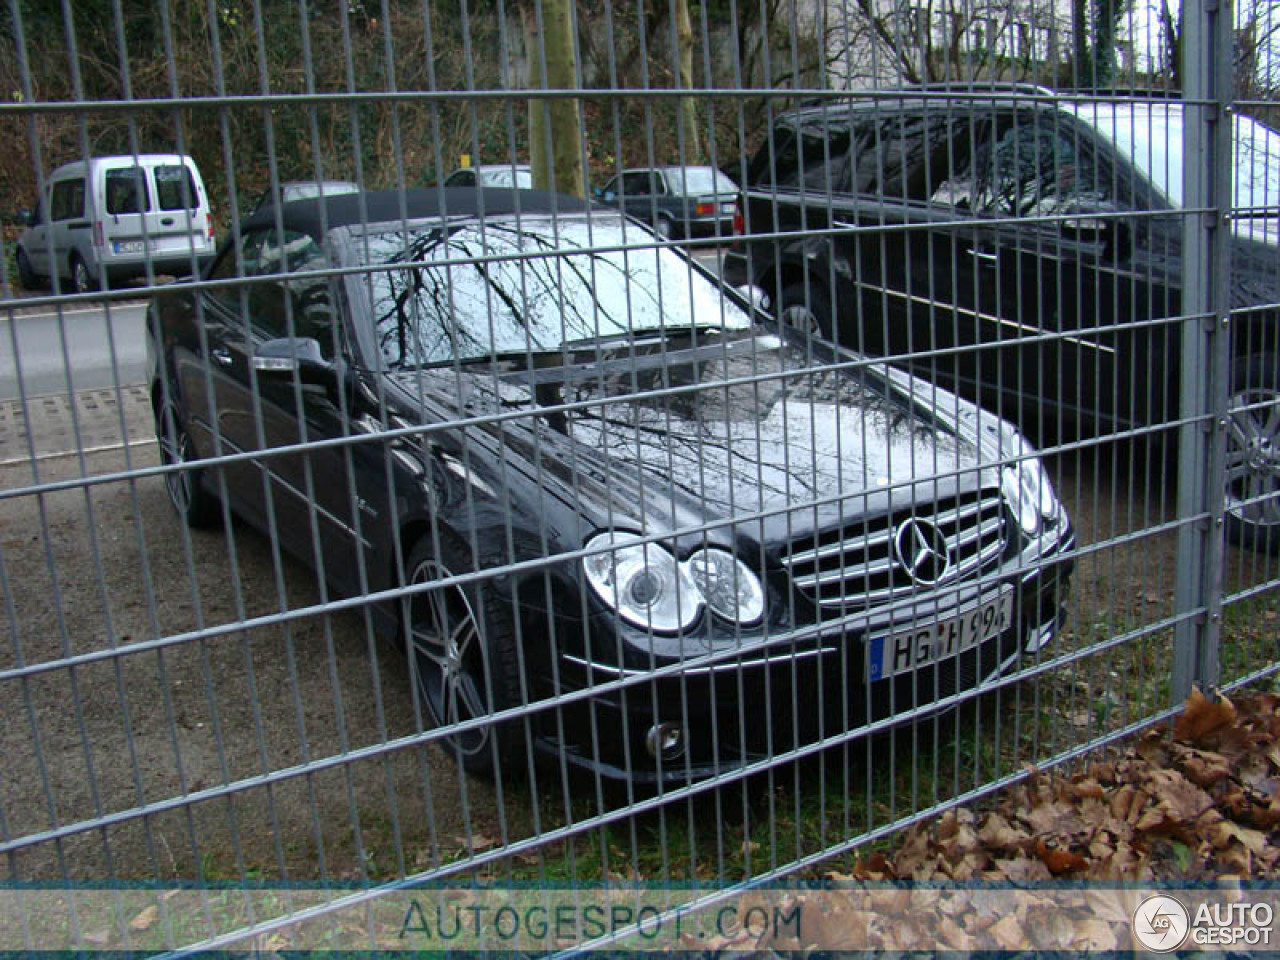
pixel 930 641
pixel 129 246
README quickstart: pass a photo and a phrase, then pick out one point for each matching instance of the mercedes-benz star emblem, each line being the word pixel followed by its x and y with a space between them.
pixel 923 551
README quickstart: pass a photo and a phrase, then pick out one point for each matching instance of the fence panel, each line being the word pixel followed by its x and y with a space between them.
pixel 555 445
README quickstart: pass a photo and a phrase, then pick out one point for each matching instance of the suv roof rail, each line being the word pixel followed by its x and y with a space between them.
pixel 994 86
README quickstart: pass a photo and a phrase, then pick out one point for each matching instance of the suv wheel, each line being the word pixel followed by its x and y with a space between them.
pixel 806 307
pixel 81 279
pixel 1253 453
pixel 464 663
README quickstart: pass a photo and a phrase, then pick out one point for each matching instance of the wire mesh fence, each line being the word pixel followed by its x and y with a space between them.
pixel 553 444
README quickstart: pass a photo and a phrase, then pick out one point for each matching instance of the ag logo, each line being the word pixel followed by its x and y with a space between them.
pixel 1160 923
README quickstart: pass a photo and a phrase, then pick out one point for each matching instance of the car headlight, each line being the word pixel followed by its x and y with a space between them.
pixel 731 589
pixel 642 581
pixel 651 589
pixel 1027 488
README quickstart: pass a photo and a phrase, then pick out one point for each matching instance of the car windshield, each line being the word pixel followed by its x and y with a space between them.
pixel 691 180
pixel 1150 135
pixel 545 290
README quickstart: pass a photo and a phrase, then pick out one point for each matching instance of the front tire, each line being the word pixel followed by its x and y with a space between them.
pixel 195 505
pixel 463 658
pixel 806 307
pixel 664 228
pixel 1253 453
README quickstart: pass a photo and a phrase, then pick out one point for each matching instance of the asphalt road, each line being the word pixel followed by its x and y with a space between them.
pixel 64 351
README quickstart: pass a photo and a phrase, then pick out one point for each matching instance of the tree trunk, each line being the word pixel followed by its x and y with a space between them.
pixel 688 107
pixel 555 134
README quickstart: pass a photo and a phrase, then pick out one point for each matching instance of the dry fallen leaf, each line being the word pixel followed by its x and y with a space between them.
pixel 146 919
pixel 1201 717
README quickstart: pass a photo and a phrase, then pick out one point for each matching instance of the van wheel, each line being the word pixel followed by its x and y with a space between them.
pixel 806 308
pixel 27 276
pixel 461 643
pixel 81 279
pixel 1253 453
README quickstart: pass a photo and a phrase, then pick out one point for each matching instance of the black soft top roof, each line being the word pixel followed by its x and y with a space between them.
pixel 316 215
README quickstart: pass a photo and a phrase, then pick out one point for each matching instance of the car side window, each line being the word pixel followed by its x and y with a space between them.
pixel 635 184
pixel 1033 166
pixel 67 200
pixel 237 263
pixel 815 158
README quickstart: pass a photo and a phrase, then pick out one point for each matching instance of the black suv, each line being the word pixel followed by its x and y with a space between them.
pixel 1025 248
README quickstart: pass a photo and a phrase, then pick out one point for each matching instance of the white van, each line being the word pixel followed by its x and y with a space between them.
pixel 109 217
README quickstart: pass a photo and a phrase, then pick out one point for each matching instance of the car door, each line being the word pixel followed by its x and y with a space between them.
pixel 316 508
pixel 214 372
pixel 69 223
pixel 637 196
pixel 911 252
pixel 177 223
pixel 1061 255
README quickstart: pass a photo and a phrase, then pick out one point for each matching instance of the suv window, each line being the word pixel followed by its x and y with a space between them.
pixel 175 188
pixel 906 156
pixel 1034 165
pixel 814 157
pixel 67 200
pixel 126 190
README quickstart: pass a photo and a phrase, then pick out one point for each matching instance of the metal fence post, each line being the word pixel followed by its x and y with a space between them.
pixel 1206 151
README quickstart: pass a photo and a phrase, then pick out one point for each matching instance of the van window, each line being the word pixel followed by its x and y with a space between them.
pixel 127 191
pixel 67 200
pixel 175 188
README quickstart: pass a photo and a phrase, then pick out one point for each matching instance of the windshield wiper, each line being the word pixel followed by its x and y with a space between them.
pixel 642 337
pixel 503 358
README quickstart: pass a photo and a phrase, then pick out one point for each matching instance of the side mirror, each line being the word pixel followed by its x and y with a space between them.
pixel 287 357
pixel 608 196
pixel 597 192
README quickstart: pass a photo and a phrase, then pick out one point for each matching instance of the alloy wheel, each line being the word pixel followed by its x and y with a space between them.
pixel 175 448
pixel 1253 459
pixel 446 645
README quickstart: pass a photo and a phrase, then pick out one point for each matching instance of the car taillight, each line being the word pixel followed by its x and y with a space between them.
pixel 210 230
pixel 739 222
pixel 703 209
pixel 97 233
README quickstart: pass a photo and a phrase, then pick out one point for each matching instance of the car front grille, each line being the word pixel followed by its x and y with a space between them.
pixel 857 565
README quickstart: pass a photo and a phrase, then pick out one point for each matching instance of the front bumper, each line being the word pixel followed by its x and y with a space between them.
pixel 795 689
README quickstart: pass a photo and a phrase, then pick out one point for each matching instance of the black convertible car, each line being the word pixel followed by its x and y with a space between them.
pixel 659 535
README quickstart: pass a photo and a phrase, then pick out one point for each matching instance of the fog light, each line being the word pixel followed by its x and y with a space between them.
pixel 664 740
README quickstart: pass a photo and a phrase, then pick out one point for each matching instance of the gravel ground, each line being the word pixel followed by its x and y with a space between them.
pixel 83 572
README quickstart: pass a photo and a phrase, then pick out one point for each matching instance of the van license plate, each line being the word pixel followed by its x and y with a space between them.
pixel 128 246
pixel 932 640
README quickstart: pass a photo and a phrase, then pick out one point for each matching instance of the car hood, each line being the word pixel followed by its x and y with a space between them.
pixel 667 439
